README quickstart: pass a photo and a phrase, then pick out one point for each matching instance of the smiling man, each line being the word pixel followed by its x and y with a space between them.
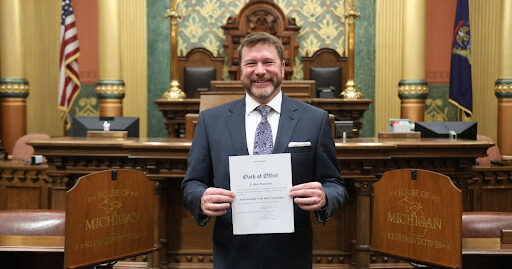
pixel 265 121
pixel 262 70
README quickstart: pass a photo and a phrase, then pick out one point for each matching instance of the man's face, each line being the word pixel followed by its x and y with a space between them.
pixel 262 72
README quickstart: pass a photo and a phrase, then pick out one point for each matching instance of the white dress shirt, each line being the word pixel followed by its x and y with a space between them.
pixel 253 118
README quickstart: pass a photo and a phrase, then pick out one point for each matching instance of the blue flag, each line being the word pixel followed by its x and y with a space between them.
pixel 461 91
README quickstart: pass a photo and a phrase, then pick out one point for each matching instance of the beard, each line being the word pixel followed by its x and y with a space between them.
pixel 262 93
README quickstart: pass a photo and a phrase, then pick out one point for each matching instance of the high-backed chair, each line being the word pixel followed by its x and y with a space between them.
pixel 327 68
pixel 260 16
pixel 208 100
pixel 197 69
pixel 32 238
pixel 22 151
pixel 493 153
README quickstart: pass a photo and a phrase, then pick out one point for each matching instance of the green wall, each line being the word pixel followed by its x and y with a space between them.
pixel 158 63
pixel 365 61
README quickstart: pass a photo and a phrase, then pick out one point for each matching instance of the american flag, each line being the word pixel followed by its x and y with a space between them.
pixel 69 79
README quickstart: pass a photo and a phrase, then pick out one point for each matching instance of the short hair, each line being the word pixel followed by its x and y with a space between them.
pixel 255 38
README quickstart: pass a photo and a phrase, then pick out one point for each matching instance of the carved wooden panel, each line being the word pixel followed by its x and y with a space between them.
pixel 344 242
pixel 260 16
pixel 490 189
pixel 23 186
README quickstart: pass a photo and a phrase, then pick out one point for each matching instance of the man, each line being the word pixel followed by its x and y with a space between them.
pixel 234 129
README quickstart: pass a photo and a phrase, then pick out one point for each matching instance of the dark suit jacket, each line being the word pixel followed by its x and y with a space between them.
pixel 220 133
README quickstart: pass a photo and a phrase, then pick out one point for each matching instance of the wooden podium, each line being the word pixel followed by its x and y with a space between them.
pixel 109 216
pixel 417 215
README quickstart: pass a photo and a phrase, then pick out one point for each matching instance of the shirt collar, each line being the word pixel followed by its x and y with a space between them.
pixel 275 103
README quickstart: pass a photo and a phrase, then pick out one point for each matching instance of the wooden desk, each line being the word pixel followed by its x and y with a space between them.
pixel 485 253
pixel 41 252
pixel 344 240
pixel 20 243
pixel 31 251
pixel 345 110
pixel 174 111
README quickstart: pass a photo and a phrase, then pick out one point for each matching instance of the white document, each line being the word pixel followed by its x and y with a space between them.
pixel 261 184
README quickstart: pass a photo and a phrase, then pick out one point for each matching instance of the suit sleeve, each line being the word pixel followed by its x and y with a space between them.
pixel 199 172
pixel 327 172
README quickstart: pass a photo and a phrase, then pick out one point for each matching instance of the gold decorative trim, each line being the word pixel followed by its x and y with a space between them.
pixel 413 89
pixel 110 105
pixel 174 92
pixel 110 89
pixel 413 105
pixel 350 91
pixel 10 87
pixel 503 88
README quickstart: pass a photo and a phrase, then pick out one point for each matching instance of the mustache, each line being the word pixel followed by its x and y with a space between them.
pixel 261 79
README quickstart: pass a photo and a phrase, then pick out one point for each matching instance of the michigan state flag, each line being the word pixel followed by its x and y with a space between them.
pixel 461 91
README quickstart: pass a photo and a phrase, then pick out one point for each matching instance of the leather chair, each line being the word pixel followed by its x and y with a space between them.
pixel 493 153
pixel 485 224
pixel 197 69
pixel 26 234
pixel 22 151
pixel 328 69
pixel 32 222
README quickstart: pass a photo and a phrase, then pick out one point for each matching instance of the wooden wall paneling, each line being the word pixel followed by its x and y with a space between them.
pixel 475 194
pixel 491 188
pixel 23 186
pixel 21 196
pixel 496 199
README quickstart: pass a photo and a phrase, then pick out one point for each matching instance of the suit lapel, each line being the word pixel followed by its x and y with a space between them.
pixel 287 122
pixel 235 120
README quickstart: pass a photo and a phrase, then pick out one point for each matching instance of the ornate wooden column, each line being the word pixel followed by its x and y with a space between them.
pixel 503 86
pixel 110 88
pixel 14 87
pixel 174 91
pixel 413 88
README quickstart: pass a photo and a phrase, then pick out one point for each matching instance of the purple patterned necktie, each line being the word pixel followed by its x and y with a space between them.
pixel 263 142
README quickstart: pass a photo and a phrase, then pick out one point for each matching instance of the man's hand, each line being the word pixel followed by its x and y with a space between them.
pixel 215 201
pixel 309 196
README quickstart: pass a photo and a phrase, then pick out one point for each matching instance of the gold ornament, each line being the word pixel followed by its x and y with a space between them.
pixel 174 91
pixel 350 91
